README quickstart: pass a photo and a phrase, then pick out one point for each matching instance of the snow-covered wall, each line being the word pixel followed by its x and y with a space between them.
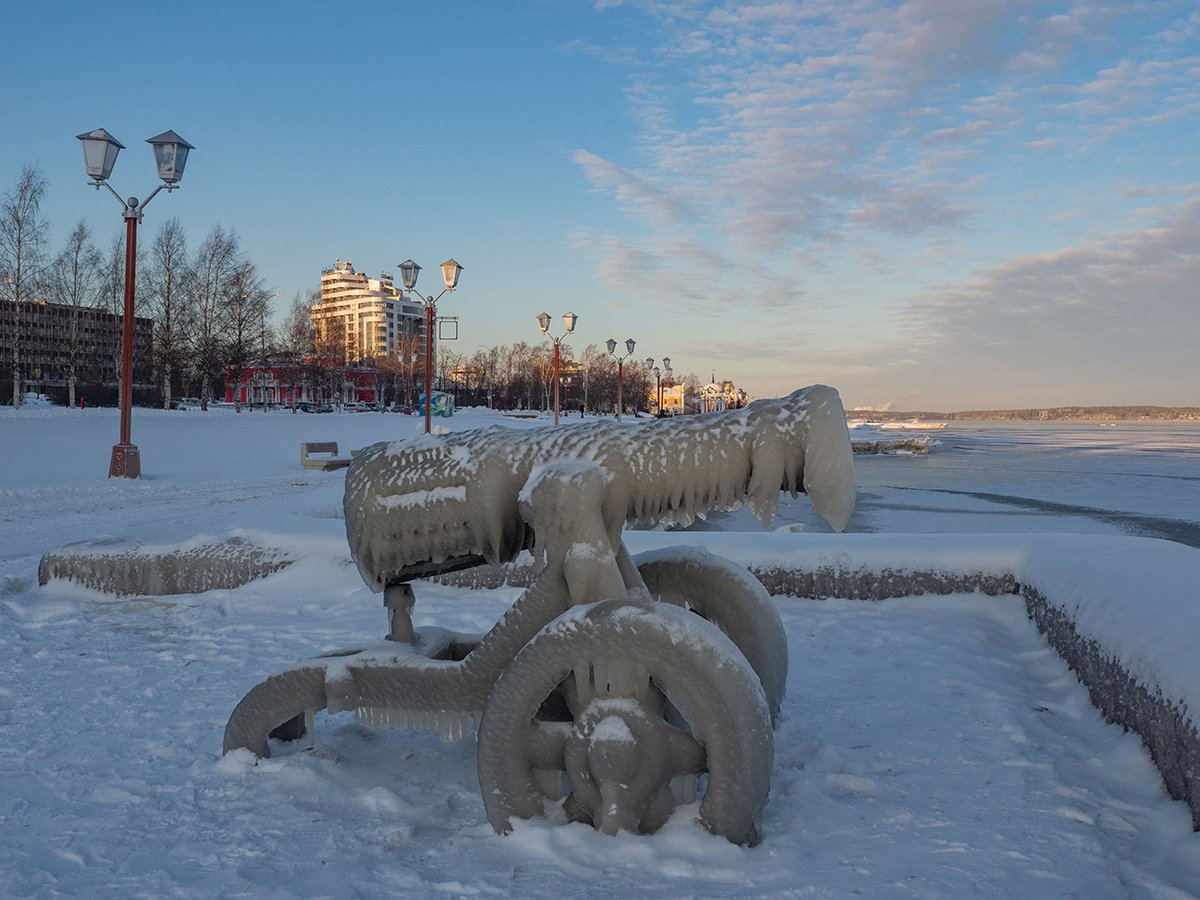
pixel 127 569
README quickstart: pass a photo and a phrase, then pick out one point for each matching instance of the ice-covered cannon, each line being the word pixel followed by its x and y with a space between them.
pixel 612 682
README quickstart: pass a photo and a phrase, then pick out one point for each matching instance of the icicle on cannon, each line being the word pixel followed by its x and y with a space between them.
pixel 612 681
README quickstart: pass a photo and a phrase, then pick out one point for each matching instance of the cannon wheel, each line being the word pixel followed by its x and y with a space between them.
pixel 619 663
pixel 729 597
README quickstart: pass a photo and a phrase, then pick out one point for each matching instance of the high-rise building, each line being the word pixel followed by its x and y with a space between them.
pixel 361 319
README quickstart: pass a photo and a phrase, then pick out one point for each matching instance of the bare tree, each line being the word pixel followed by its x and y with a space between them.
pixel 486 366
pixel 448 367
pixel 599 379
pixel 22 260
pixel 526 365
pixel 599 373
pixel 167 303
pixel 411 355
pixel 543 365
pixel 244 312
pixel 329 355
pixel 297 336
pixel 112 294
pixel 691 392
pixel 297 342
pixel 76 278
pixel 215 262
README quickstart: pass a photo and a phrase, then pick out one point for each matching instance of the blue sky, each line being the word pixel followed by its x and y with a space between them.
pixel 936 204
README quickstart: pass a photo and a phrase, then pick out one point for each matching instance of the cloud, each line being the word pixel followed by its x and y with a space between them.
pixel 910 209
pixel 635 194
pixel 1115 313
pixel 925 149
pixel 617 56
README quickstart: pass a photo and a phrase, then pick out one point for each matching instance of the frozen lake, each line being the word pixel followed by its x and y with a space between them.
pixel 984 477
pixel 1136 478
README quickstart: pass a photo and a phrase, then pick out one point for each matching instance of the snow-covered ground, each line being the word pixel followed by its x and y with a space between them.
pixel 931 747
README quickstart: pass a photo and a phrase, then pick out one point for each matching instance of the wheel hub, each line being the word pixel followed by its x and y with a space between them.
pixel 618 763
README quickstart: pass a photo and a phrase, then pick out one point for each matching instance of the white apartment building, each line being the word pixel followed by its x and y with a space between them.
pixel 362 319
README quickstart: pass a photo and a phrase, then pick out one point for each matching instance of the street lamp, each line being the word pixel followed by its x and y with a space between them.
pixel 658 373
pixel 668 373
pixel 408 277
pixel 569 320
pixel 100 151
pixel 612 346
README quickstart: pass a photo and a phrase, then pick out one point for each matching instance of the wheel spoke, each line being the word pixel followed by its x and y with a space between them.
pixel 688 756
pixel 546 742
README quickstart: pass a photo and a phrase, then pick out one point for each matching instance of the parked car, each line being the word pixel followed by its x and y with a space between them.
pixel 354 406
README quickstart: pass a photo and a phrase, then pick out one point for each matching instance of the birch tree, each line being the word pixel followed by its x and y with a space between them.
pixel 297 341
pixel 212 268
pixel 168 303
pixel 112 294
pixel 22 261
pixel 245 310
pixel 76 280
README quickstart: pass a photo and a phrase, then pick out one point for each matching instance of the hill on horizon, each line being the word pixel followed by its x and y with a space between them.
pixel 1040 414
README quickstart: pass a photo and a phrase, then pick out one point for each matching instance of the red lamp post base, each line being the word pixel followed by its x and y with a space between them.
pixel 126 462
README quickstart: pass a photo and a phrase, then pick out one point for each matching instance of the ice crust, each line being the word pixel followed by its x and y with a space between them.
pixel 432 499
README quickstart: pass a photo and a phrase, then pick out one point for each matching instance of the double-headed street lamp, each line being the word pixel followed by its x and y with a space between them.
pixel 658 373
pixel 100 151
pixel 612 346
pixel 451 271
pixel 569 320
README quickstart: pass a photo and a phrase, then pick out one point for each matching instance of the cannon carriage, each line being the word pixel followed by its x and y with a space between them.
pixel 616 688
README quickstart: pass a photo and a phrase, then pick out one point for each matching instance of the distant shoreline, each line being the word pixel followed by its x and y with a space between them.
pixel 1048 414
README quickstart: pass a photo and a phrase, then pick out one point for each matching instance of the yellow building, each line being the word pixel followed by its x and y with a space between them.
pixel 672 400
pixel 361 319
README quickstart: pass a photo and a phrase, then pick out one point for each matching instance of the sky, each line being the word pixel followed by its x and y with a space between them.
pixel 930 205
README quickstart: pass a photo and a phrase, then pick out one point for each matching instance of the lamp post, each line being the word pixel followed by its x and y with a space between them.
pixel 658 376
pixel 100 151
pixel 650 370
pixel 451 271
pixel 569 320
pixel 612 346
pixel 666 371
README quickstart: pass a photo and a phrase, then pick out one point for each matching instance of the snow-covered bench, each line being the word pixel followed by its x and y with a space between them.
pixel 324 463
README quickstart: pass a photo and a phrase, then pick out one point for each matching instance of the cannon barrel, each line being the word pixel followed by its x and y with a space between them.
pixel 433 504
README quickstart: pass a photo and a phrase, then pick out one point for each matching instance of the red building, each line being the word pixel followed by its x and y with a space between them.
pixel 282 383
